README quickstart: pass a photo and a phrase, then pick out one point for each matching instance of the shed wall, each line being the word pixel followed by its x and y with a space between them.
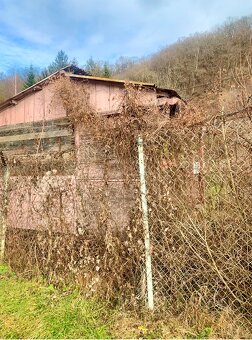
pixel 34 107
pixel 65 200
pixel 42 105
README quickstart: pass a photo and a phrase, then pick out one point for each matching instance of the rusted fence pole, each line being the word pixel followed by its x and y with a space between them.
pixel 3 226
pixel 144 204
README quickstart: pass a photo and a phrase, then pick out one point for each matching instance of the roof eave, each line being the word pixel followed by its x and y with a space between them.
pixel 111 80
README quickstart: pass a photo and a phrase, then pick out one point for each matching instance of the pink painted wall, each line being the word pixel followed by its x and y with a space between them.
pixel 41 105
pixel 45 204
pixel 101 182
pixel 27 199
pixel 36 106
pixel 108 97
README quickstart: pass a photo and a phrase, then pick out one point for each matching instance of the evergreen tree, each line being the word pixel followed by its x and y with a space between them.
pixel 30 78
pixel 90 66
pixel 60 61
pixel 45 73
pixel 106 71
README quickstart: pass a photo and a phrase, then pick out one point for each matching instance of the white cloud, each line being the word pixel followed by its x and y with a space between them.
pixel 37 29
pixel 12 55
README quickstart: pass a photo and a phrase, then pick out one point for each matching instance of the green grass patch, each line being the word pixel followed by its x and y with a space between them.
pixel 30 309
pixel 3 269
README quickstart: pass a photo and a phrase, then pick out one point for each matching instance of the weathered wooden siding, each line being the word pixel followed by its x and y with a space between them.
pixel 37 106
pixel 77 184
pixel 109 97
pixel 28 138
pixel 42 105
pixel 99 175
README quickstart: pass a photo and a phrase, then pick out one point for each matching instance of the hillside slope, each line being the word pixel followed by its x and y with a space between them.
pixel 202 62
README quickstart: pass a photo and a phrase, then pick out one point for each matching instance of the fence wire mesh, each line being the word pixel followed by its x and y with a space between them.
pixel 199 183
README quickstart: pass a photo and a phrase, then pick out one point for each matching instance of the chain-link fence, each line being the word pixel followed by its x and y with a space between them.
pixel 200 182
pixel 79 214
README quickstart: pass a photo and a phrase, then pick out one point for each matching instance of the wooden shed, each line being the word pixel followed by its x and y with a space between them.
pixel 30 127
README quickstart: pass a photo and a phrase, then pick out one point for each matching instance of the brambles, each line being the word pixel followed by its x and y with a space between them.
pixel 199 192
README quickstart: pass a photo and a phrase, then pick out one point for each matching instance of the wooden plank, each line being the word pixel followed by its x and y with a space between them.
pixel 110 80
pixel 15 127
pixel 34 129
pixel 32 146
pixel 30 136
pixel 20 152
pixel 37 123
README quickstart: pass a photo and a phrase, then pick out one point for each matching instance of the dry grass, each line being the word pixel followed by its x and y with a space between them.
pixel 199 324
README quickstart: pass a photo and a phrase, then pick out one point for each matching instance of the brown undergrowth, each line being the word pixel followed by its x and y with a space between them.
pixel 198 172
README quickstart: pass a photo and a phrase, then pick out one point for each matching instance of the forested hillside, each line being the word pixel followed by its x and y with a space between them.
pixel 202 62
pixel 193 65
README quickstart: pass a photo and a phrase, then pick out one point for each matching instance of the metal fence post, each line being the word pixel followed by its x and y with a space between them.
pixel 4 211
pixel 144 204
pixel 202 165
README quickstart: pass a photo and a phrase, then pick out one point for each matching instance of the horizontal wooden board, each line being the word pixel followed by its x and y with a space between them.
pixel 38 146
pixel 40 135
pixel 34 146
pixel 35 127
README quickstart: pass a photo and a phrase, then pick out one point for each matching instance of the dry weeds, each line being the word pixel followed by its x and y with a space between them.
pixel 199 194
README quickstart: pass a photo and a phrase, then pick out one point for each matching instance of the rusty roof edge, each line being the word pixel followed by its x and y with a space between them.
pixel 112 80
pixel 122 81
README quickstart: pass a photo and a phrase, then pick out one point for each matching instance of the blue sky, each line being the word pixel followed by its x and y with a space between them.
pixel 32 31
